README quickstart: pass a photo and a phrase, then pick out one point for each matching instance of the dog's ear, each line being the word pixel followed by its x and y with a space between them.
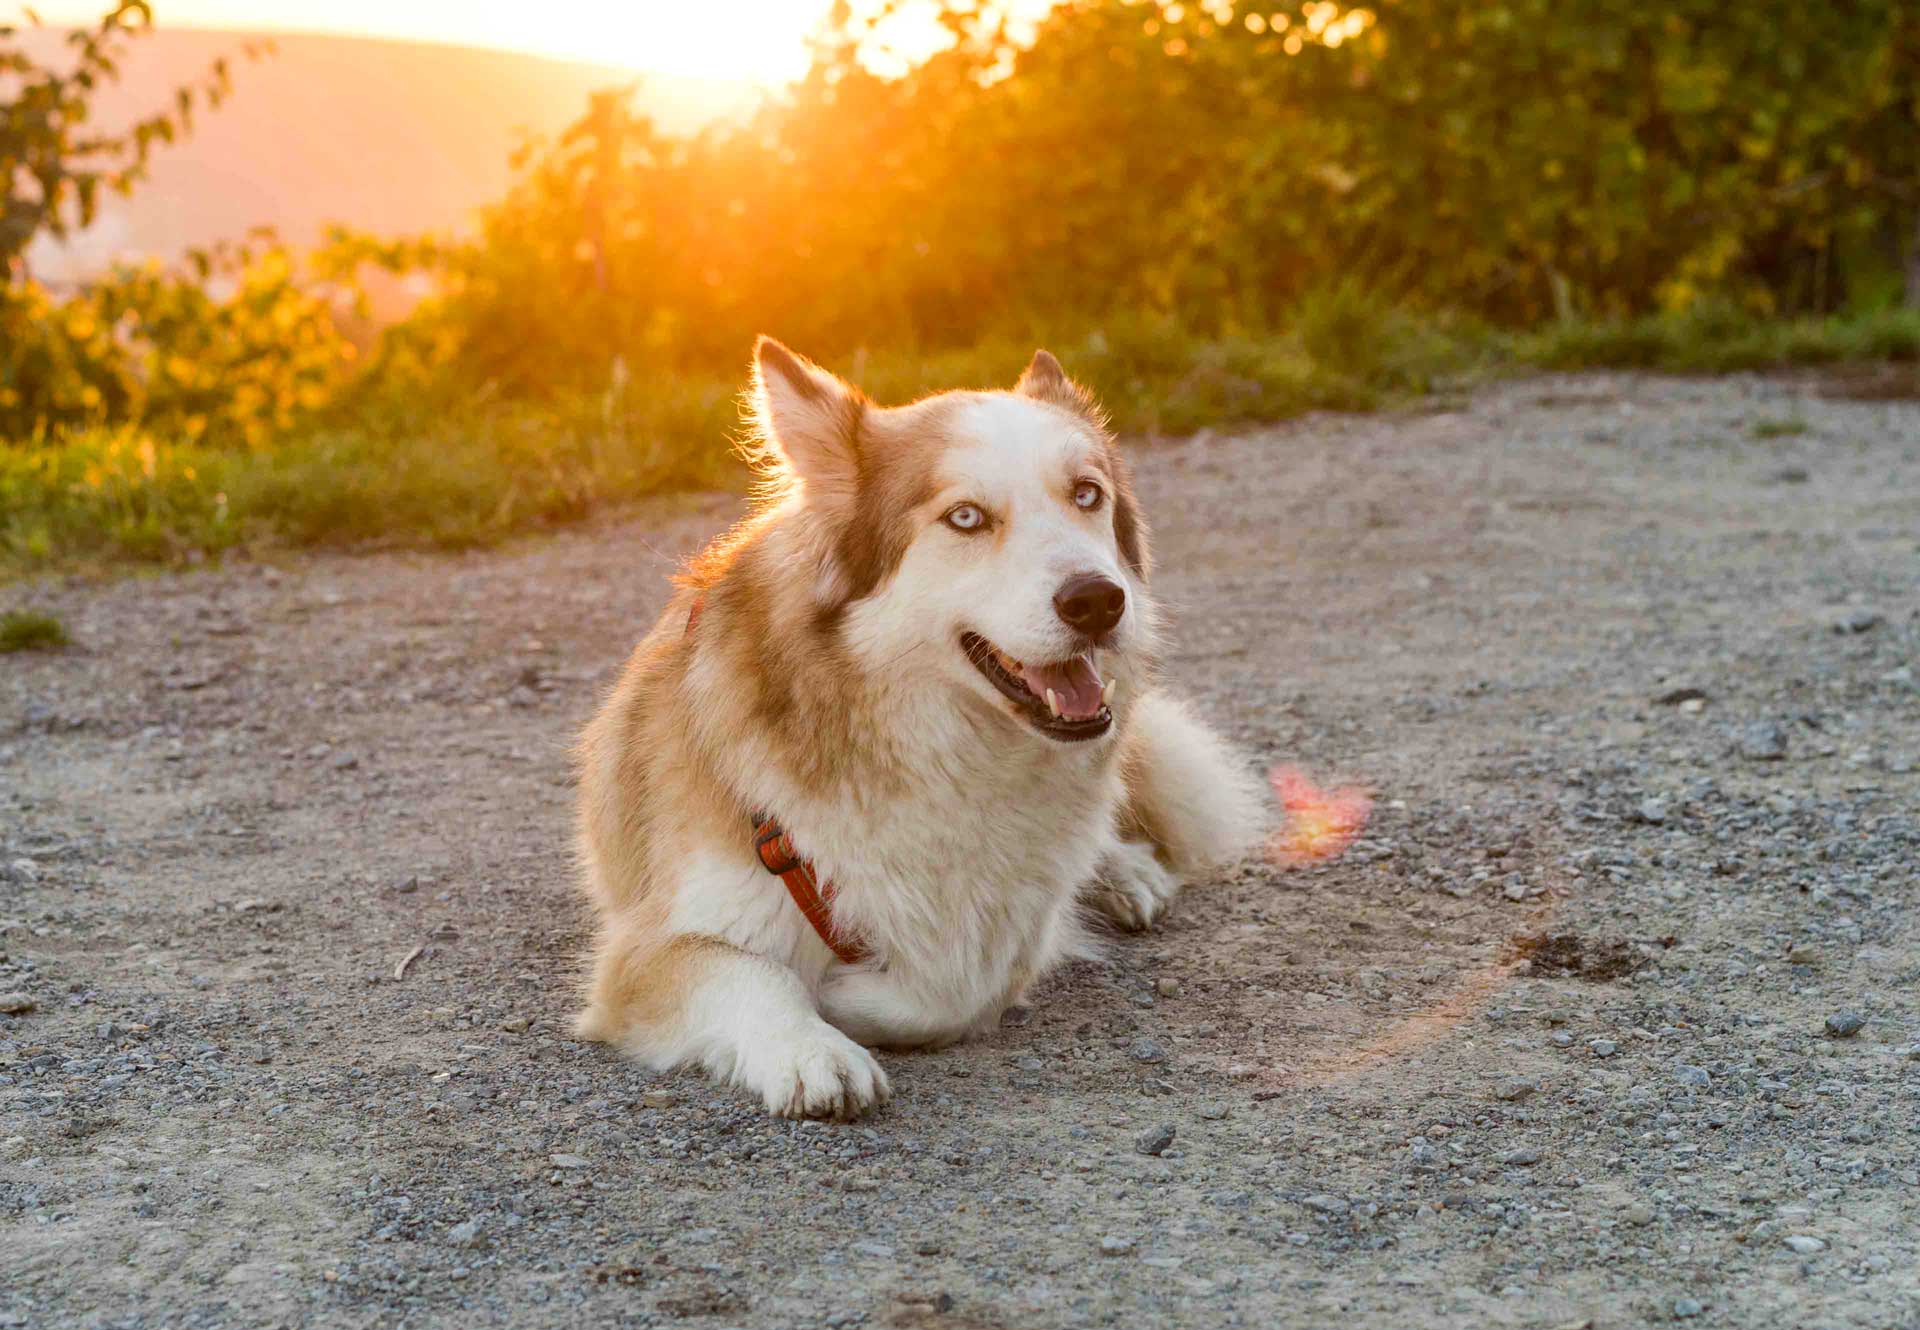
pixel 1044 381
pixel 808 419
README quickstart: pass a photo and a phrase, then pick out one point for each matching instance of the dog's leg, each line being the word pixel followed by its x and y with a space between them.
pixel 875 1008
pixel 747 1020
pixel 1191 805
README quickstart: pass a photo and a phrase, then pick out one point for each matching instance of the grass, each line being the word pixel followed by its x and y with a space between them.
pixel 30 630
pixel 399 474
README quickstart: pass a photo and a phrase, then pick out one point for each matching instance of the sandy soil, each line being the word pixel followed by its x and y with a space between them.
pixel 1629 664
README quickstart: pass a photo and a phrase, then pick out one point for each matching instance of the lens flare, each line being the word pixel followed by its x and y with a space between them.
pixel 1320 824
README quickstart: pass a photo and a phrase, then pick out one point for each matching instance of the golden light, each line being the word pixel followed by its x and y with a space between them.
pixel 1320 823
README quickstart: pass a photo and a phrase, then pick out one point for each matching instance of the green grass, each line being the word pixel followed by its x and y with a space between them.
pixel 30 630
pixel 408 474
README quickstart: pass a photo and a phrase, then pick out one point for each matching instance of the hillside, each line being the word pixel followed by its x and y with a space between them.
pixel 389 135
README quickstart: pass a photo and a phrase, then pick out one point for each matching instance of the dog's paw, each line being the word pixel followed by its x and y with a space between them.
pixel 1132 889
pixel 818 1073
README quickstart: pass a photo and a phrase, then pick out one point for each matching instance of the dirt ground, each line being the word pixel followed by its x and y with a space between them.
pixel 1609 1018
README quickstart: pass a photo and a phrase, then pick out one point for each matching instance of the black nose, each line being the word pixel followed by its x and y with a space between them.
pixel 1090 604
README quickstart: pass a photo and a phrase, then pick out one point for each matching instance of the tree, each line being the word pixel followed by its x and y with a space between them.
pixel 53 164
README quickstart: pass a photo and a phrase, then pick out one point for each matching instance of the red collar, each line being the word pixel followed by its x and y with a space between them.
pixel 814 897
pixel 777 856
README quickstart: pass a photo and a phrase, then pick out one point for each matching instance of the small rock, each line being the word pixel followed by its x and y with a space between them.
pixel 1212 1113
pixel 1673 697
pixel 1845 1024
pixel 1652 811
pixel 1804 1244
pixel 1147 1050
pixel 1789 475
pixel 1167 987
pixel 466 1234
pixel 1637 1215
pixel 515 1024
pixel 658 1099
pixel 1524 1157
pixel 1514 1091
pixel 344 762
pixel 569 1161
pixel 1685 1307
pixel 1691 1075
pixel 1858 621
pixel 523 696
pixel 16 1004
pixel 407 887
pixel 1154 1140
pixel 1763 741
pixel 1327 1205
pixel 1015 1017
pixel 1603 1048
pixel 879 1250
pixel 1115 1245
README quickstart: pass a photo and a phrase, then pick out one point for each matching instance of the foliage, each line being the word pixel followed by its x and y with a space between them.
pixel 30 630
pixel 236 349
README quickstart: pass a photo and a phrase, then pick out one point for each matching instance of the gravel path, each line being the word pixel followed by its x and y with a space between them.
pixel 1610 1018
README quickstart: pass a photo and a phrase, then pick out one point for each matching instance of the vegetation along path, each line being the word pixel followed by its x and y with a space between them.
pixel 1609 1017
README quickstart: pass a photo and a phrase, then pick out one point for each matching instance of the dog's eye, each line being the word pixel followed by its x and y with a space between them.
pixel 966 517
pixel 1087 495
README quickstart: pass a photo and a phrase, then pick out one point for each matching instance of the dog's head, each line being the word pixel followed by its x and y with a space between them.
pixel 987 542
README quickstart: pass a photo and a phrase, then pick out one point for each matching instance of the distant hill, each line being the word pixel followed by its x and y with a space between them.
pixel 388 135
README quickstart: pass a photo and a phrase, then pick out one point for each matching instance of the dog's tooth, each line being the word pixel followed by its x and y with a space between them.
pixel 1053 703
pixel 1106 694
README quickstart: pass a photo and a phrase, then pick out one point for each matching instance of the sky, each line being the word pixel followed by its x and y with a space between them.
pixel 763 41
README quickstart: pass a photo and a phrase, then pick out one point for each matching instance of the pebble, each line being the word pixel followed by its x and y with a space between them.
pixel 1684 1307
pixel 1115 1245
pixel 17 1004
pixel 1763 741
pixel 1514 1091
pixel 1691 1075
pixel 1858 621
pixel 465 1234
pixel 1637 1215
pixel 1327 1205
pixel 1147 1050
pixel 1845 1024
pixel 658 1099
pixel 1524 1157
pixel 1167 987
pixel 515 1024
pixel 1154 1140
pixel 569 1161
pixel 1804 1244
pixel 1604 1048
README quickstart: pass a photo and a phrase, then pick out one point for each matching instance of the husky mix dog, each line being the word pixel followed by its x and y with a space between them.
pixel 893 731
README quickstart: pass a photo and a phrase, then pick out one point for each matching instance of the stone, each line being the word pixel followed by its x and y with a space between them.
pixel 515 1024
pixel 1685 1307
pixel 1514 1091
pixel 1858 621
pixel 1805 1244
pixel 1115 1245
pixel 1524 1157
pixel 1845 1024
pixel 1147 1050
pixel 569 1161
pixel 16 1004
pixel 1603 1048
pixel 1693 1076
pixel 1154 1140
pixel 1764 741
pixel 1327 1205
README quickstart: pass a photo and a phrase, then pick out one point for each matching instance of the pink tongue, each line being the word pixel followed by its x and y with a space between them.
pixel 1076 687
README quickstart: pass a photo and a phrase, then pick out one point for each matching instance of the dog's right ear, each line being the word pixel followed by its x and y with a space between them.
pixel 808 419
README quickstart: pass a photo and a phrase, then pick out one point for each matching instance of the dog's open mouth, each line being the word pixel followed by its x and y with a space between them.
pixel 1063 700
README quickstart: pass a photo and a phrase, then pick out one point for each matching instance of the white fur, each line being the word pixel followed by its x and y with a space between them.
pixel 961 869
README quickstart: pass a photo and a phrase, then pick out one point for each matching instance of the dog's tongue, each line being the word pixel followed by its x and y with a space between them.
pixel 1075 684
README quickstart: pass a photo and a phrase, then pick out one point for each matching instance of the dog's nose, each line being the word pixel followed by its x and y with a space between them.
pixel 1090 604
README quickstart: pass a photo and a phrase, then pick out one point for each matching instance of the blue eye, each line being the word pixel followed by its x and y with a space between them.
pixel 965 517
pixel 1087 495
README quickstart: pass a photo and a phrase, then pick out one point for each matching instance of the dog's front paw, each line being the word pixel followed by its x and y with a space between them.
pixel 1132 888
pixel 818 1073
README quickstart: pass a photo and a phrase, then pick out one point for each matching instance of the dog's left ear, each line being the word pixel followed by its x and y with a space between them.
pixel 809 418
pixel 1045 381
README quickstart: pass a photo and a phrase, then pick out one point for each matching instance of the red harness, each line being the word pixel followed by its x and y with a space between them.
pixel 777 856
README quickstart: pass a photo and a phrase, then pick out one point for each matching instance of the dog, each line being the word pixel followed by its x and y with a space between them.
pixel 889 735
